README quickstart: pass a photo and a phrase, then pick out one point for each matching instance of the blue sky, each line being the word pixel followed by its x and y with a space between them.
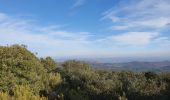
pixel 88 28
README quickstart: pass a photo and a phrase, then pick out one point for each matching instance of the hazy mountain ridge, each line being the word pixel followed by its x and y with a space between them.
pixel 135 65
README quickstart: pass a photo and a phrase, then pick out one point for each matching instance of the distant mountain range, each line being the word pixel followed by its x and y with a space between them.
pixel 116 59
pixel 126 63
pixel 133 66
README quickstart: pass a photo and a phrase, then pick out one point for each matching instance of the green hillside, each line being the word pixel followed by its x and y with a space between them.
pixel 23 76
pixel 18 66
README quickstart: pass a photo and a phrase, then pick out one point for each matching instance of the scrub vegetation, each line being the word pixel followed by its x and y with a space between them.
pixel 23 76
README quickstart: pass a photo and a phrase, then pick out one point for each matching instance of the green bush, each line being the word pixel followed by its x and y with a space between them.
pixel 18 66
pixel 22 92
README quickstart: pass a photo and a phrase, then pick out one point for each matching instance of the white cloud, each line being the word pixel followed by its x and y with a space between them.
pixel 48 38
pixel 136 38
pixel 133 38
pixel 147 14
pixel 54 41
pixel 140 25
pixel 78 3
pixel 119 27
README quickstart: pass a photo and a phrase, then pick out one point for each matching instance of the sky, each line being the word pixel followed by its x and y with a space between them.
pixel 88 28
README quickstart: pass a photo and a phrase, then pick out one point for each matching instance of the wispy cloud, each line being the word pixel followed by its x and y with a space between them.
pixel 78 3
pixel 51 40
pixel 139 23
pixel 133 38
pixel 48 38
pixel 146 14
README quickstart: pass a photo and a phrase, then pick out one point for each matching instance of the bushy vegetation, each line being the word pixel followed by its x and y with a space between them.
pixel 20 67
pixel 91 84
pixel 23 76
pixel 21 93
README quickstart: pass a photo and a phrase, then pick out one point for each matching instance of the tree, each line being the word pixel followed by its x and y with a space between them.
pixel 49 64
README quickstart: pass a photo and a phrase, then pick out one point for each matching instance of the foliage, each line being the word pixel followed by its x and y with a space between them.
pixel 23 76
pixel 110 85
pixel 4 96
pixel 48 63
pixel 21 93
pixel 18 66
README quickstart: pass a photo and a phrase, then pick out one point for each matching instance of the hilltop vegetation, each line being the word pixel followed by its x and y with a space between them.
pixel 23 76
pixel 20 67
